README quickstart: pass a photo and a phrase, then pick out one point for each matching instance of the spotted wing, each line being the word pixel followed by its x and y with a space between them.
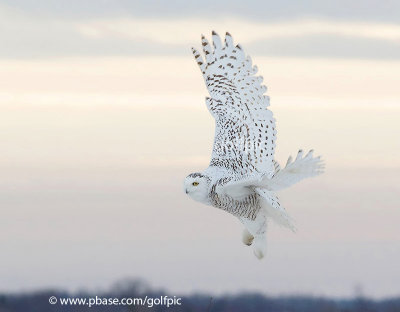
pixel 245 132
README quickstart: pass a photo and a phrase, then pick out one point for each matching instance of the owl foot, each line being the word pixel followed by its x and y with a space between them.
pixel 247 238
pixel 260 246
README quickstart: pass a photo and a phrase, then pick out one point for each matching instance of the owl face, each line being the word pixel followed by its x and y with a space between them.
pixel 196 186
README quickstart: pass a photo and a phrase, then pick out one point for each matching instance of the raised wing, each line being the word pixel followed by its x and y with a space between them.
pixel 245 131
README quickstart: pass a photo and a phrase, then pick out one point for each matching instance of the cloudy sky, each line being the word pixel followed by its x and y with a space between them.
pixel 102 115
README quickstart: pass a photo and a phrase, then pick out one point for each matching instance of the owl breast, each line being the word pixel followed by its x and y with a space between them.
pixel 246 207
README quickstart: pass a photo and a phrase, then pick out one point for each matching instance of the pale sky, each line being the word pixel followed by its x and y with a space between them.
pixel 102 115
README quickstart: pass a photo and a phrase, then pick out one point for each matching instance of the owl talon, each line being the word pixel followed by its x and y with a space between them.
pixel 259 254
pixel 247 238
pixel 260 246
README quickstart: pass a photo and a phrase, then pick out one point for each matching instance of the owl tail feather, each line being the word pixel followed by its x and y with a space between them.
pixel 274 210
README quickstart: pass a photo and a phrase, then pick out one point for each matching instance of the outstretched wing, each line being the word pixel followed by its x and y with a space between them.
pixel 245 131
pixel 301 168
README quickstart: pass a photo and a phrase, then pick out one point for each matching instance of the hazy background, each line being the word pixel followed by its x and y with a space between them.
pixel 102 115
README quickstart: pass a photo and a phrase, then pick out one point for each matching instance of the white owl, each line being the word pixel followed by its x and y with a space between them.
pixel 243 176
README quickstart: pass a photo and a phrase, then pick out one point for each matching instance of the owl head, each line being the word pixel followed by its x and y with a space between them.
pixel 196 186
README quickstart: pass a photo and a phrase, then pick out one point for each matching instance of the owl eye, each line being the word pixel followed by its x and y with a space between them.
pixel 195 183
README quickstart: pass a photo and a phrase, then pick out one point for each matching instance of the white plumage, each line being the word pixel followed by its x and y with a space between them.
pixel 243 175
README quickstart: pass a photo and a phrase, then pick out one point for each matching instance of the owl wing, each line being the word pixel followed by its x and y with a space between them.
pixel 301 168
pixel 245 131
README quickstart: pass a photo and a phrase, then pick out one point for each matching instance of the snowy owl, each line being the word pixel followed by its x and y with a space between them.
pixel 243 176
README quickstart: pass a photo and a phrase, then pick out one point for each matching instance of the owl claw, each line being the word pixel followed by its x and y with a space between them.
pixel 259 254
pixel 260 246
pixel 247 238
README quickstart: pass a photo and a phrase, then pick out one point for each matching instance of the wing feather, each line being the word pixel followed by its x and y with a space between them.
pixel 245 131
